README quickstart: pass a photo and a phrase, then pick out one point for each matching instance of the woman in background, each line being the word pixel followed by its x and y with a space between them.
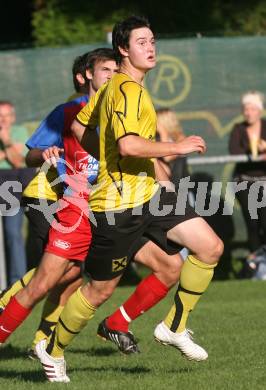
pixel 249 137
pixel 169 129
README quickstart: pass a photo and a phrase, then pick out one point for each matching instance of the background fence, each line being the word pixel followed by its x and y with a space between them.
pixel 202 79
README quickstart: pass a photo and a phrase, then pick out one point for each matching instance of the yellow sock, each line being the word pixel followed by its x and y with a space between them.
pixel 194 279
pixel 50 315
pixel 7 294
pixel 77 312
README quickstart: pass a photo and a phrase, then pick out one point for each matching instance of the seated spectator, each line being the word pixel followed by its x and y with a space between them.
pixel 169 129
pixel 248 137
pixel 12 150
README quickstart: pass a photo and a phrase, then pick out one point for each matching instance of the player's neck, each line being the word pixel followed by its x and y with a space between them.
pixel 91 91
pixel 134 73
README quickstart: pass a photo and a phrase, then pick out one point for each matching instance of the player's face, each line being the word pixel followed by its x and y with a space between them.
pixel 141 52
pixel 251 113
pixel 103 71
pixel 7 116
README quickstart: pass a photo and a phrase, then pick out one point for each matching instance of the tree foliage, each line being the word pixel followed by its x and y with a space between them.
pixel 65 22
pixel 57 23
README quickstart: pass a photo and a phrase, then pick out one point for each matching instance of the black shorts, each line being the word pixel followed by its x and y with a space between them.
pixel 118 236
pixel 38 230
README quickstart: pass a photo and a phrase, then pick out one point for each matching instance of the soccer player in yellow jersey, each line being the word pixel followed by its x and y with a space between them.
pixel 59 269
pixel 128 205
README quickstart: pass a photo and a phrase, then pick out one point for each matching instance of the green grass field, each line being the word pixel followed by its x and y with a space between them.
pixel 229 321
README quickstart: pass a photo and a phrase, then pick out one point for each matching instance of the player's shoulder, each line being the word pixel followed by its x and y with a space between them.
pixel 124 84
pixel 60 108
pixel 78 99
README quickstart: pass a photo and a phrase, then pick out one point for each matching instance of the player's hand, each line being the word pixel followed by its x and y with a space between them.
pixel 262 145
pixel 191 144
pixel 52 154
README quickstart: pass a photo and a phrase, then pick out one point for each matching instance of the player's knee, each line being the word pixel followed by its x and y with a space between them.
pixel 216 249
pixel 170 274
pixel 170 280
pixel 100 295
pixel 71 275
pixel 36 292
pixel 106 293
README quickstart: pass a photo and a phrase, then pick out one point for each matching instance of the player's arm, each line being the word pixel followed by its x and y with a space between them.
pixel 36 157
pixel 135 146
pixel 78 129
pixel 46 142
pixel 84 127
pixel 162 176
pixel 127 131
pixel 87 137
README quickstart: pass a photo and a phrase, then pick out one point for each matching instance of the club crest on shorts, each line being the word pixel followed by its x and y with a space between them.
pixel 119 264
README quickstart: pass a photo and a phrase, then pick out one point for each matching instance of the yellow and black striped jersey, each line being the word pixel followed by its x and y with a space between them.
pixel 121 107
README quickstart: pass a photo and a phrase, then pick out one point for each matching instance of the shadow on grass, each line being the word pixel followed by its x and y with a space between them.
pixel 123 370
pixel 183 370
pixel 38 376
pixel 104 351
pixel 26 376
pixel 10 352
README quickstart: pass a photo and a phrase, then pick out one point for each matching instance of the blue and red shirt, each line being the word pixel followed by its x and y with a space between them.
pixel 76 167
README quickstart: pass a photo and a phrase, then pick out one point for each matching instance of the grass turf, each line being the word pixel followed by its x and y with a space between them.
pixel 229 321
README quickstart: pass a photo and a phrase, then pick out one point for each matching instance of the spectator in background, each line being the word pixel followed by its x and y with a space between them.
pixel 12 140
pixel 249 137
pixel 169 129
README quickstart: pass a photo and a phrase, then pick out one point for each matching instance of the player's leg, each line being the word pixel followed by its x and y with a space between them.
pixel 72 244
pixel 197 272
pixel 166 270
pixel 106 262
pixel 40 226
pixel 74 317
pixel 7 294
pixel 51 269
pixel 55 303
pixel 81 306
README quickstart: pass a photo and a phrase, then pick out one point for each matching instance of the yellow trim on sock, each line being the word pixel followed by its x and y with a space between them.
pixel 195 278
pixel 200 263
pixel 50 314
pixel 28 276
pixel 15 288
pixel 75 316
pixel 84 300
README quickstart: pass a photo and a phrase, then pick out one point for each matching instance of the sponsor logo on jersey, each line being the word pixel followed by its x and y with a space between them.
pixel 86 164
pixel 62 244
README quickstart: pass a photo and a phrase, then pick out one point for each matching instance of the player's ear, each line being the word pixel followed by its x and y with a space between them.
pixel 123 51
pixel 80 79
pixel 89 74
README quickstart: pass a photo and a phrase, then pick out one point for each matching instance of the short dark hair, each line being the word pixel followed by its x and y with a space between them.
pixel 6 103
pixel 88 61
pixel 122 30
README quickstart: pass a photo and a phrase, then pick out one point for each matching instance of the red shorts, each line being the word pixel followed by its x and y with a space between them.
pixel 70 234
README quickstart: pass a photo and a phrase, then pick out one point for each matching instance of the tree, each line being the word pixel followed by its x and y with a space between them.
pixel 67 22
pixel 58 23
